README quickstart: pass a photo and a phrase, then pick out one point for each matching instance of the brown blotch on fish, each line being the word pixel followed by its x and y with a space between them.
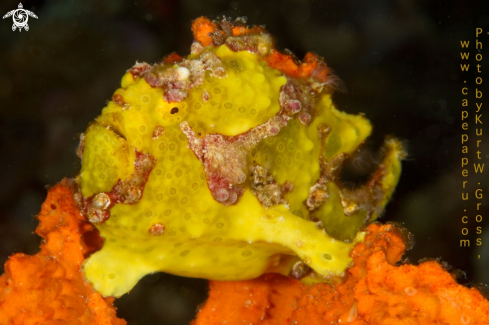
pixel 157 229
pixel 300 270
pixel 118 99
pixel 265 187
pixel 158 132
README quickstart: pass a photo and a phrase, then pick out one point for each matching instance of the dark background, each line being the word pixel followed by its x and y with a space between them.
pixel 399 60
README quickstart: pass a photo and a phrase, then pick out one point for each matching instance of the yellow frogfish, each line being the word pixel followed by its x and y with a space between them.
pixel 224 165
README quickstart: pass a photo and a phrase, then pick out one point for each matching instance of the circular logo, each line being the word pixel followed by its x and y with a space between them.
pixel 20 17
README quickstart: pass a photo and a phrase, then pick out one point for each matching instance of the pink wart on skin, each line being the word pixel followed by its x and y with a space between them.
pixel 224 163
pixel 176 81
pixel 225 157
pixel 129 191
pixel 139 69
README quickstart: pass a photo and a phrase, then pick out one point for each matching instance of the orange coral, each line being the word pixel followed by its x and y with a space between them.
pixel 49 288
pixel 202 28
pixel 373 292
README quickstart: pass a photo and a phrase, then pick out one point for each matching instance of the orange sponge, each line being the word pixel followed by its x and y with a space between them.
pixel 49 287
pixel 373 292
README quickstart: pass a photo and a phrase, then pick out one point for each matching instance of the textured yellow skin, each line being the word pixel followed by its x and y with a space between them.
pixel 247 98
pixel 202 237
